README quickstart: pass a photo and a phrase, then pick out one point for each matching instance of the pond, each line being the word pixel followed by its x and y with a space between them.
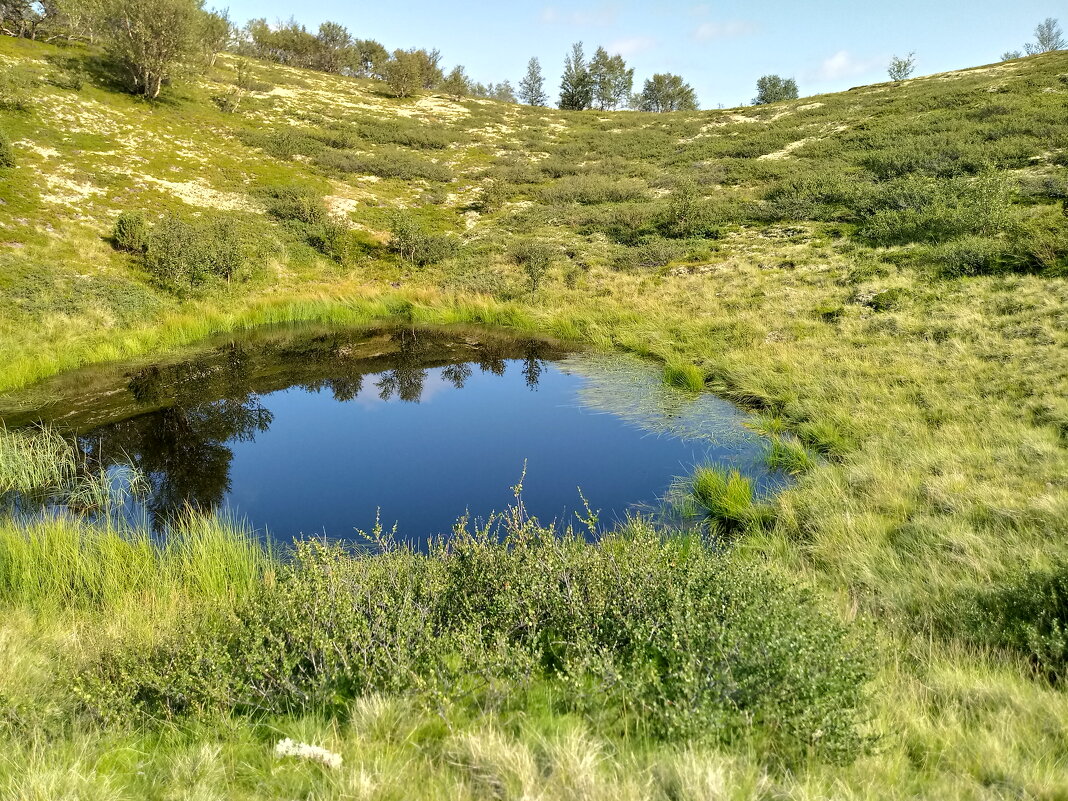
pixel 314 431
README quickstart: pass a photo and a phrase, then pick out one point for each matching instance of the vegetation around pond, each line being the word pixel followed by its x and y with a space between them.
pixel 880 273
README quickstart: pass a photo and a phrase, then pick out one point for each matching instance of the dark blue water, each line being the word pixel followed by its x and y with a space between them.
pixel 324 440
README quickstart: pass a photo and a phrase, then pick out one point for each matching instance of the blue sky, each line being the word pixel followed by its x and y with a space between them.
pixel 721 48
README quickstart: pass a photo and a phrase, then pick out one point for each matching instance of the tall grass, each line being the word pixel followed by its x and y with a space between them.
pixel 32 459
pixel 63 562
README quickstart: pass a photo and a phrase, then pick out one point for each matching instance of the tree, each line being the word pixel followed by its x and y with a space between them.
pixel 901 68
pixel 333 43
pixel 367 58
pixel 430 71
pixel 612 81
pixel 502 92
pixel 535 257
pixel 666 92
pixel 576 86
pixel 532 87
pixel 1009 55
pixel 152 40
pixel 1048 37
pixel 403 73
pixel 456 83
pixel 216 32
pixel 772 89
pixel 20 18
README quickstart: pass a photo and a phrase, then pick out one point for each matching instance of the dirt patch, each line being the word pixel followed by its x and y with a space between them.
pixel 68 192
pixel 198 193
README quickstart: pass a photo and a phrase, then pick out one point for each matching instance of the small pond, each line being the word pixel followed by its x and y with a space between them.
pixel 318 431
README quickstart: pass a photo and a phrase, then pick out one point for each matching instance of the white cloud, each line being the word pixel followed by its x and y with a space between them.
pixel 729 29
pixel 843 64
pixel 600 16
pixel 630 45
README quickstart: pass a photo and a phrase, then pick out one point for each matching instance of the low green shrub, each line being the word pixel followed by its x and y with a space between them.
pixel 282 143
pixel 641 635
pixel 131 232
pixel 1026 612
pixel 591 189
pixel 182 254
pixel 385 163
pixel 923 209
pixel 653 252
pixel 293 202
pixel 417 246
pixel 7 152
pixel 970 255
pixel 688 215
pixel 16 89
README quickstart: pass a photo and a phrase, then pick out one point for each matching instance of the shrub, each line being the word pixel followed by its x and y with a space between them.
pixel 415 244
pixel 386 163
pixel 296 203
pixel 181 253
pixel 283 143
pixel 664 638
pixel 654 252
pixel 919 209
pixel 688 216
pixel 16 90
pixel 7 152
pixel 1026 612
pixel 175 253
pixel 970 255
pixel 131 232
pixel 335 240
pixel 591 189
pixel 814 196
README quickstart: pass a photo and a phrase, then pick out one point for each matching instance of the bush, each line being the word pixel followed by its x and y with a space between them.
pixel 296 203
pixel 7 152
pixel 283 143
pixel 416 245
pixel 1027 612
pixel 970 255
pixel 920 209
pixel 183 254
pixel 386 163
pixel 175 253
pixel 131 232
pixel 654 252
pixel 688 215
pixel 591 189
pixel 16 90
pixel 815 196
pixel 643 636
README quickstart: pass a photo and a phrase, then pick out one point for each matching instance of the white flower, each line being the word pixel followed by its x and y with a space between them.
pixel 312 753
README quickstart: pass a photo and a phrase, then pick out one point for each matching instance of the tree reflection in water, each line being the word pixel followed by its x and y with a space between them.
pixel 186 414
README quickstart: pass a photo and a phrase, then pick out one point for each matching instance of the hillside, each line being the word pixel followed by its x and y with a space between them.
pixel 881 273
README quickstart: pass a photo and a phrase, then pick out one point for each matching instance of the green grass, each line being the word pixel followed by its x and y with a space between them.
pixel 888 294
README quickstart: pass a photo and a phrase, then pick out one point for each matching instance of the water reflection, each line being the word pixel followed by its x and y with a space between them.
pixel 305 431
pixel 202 407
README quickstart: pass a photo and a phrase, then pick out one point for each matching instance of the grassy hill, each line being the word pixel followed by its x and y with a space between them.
pixel 880 272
